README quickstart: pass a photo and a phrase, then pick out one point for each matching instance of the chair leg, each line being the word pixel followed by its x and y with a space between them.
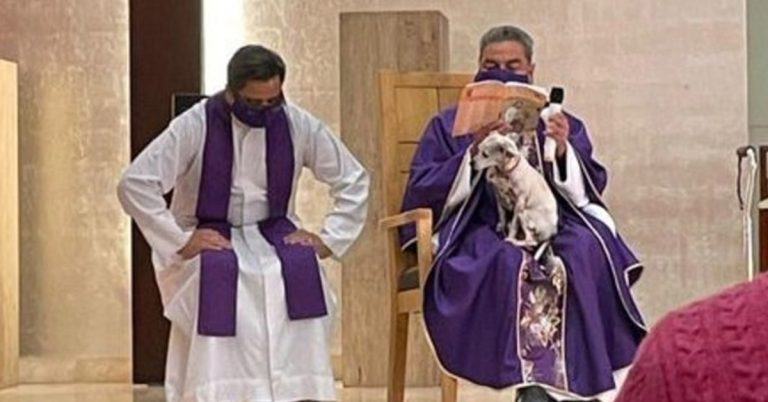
pixel 398 349
pixel 449 388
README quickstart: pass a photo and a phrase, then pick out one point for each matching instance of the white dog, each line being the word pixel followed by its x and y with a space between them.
pixel 520 189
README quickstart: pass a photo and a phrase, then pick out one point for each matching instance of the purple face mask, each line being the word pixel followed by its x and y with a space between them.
pixel 253 116
pixel 502 75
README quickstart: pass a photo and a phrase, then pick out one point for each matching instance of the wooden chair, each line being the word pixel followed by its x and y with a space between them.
pixel 408 101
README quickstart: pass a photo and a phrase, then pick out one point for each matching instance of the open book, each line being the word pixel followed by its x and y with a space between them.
pixel 484 102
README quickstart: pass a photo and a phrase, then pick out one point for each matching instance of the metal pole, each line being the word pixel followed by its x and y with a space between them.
pixel 749 203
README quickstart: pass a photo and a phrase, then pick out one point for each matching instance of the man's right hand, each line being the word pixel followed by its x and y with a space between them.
pixel 499 125
pixel 204 239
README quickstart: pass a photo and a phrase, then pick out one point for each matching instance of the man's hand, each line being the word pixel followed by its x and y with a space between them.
pixel 559 129
pixel 204 239
pixel 498 125
pixel 309 239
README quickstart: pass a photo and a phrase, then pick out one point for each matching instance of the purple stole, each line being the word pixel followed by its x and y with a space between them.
pixel 219 269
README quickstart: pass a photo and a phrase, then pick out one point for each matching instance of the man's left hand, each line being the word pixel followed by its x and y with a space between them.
pixel 309 239
pixel 559 129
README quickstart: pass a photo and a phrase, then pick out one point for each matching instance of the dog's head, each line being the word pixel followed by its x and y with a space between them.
pixel 497 150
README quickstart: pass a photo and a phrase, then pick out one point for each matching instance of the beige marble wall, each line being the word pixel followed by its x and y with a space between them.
pixel 74 141
pixel 757 34
pixel 662 86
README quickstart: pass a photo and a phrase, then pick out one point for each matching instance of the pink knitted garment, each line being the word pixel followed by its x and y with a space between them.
pixel 714 350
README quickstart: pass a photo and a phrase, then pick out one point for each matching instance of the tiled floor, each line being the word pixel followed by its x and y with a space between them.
pixel 127 393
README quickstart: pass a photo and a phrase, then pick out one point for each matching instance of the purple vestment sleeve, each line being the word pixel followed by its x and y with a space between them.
pixel 434 168
pixel 595 173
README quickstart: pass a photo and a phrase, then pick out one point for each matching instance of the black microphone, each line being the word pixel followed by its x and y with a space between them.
pixel 555 106
pixel 556 95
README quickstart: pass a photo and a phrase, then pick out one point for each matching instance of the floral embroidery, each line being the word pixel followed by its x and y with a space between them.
pixel 541 324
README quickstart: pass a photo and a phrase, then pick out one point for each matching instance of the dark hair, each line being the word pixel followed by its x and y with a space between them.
pixel 508 33
pixel 253 62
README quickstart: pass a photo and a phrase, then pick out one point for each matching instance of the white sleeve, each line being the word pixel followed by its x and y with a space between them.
pixel 332 163
pixel 573 188
pixel 573 184
pixel 152 174
pixel 462 183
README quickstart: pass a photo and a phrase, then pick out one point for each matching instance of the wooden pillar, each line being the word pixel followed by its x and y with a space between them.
pixel 9 226
pixel 400 41
pixel 165 58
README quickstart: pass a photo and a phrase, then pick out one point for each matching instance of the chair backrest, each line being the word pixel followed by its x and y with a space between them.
pixel 408 101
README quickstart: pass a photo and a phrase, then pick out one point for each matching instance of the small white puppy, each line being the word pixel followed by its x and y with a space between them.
pixel 520 189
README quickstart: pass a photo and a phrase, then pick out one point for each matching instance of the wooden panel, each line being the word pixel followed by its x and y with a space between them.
pixel 415 106
pixel 9 226
pixel 369 42
pixel 448 96
pixel 435 80
pixel 405 151
pixel 402 181
pixel 388 142
pixel 409 95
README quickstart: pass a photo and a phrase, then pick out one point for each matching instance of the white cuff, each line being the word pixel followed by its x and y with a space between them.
pixel 337 246
pixel 168 249
pixel 573 188
pixel 462 183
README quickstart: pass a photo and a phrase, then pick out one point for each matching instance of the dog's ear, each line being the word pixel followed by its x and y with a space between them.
pixel 511 149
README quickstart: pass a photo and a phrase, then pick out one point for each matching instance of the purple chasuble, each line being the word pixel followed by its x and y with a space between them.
pixel 219 269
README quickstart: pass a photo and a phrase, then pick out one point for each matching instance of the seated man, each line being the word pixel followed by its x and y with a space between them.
pixel 495 316
pixel 713 350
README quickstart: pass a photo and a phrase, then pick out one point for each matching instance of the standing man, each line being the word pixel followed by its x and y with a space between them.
pixel 250 309
pixel 494 315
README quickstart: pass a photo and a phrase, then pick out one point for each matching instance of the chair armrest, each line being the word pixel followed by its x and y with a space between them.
pixel 422 217
pixel 412 216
